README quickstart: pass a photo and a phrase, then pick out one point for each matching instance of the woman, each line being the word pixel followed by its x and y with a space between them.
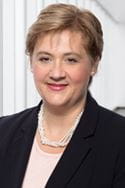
pixel 68 140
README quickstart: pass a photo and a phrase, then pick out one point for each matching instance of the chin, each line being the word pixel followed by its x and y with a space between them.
pixel 56 103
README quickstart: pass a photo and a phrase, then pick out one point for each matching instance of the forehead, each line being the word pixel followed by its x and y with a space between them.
pixel 56 40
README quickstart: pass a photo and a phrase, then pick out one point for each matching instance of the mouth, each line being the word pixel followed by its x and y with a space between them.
pixel 57 87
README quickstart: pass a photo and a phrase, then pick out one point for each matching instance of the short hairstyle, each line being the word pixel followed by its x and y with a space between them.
pixel 58 17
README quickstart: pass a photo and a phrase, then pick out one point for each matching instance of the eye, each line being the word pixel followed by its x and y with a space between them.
pixel 72 60
pixel 44 59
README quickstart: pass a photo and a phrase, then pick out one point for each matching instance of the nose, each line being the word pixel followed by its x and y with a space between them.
pixel 57 72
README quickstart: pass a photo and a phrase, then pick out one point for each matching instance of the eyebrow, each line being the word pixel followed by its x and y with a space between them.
pixel 43 52
pixel 65 54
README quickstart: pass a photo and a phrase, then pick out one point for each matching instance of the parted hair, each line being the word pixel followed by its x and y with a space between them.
pixel 59 17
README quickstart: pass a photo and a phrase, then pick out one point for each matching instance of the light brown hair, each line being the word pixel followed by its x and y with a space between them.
pixel 58 17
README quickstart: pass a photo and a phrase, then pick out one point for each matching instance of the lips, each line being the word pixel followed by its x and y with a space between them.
pixel 57 87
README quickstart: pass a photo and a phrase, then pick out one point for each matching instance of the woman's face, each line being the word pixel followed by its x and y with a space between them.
pixel 61 68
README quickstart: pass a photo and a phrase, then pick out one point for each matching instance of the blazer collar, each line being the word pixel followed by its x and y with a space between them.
pixel 78 148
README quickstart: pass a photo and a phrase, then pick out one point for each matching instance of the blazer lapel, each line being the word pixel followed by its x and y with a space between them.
pixel 78 149
pixel 19 150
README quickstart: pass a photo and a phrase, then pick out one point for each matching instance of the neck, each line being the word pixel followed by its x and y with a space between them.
pixel 59 119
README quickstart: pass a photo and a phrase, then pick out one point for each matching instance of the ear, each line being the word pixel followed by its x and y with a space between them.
pixel 95 67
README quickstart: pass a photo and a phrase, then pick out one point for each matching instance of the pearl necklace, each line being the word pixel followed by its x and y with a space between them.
pixel 62 142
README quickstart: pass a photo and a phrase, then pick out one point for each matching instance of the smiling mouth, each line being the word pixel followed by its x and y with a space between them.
pixel 57 87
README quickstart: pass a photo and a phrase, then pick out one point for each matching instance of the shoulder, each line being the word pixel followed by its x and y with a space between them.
pixel 105 118
pixel 111 117
pixel 15 117
pixel 105 115
pixel 111 126
pixel 9 124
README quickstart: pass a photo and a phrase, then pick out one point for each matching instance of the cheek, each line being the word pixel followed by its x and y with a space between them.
pixel 38 73
pixel 80 76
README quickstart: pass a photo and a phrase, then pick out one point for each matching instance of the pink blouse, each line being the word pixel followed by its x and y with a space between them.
pixel 40 167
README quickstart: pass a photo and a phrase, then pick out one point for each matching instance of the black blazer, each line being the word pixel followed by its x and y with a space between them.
pixel 94 158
